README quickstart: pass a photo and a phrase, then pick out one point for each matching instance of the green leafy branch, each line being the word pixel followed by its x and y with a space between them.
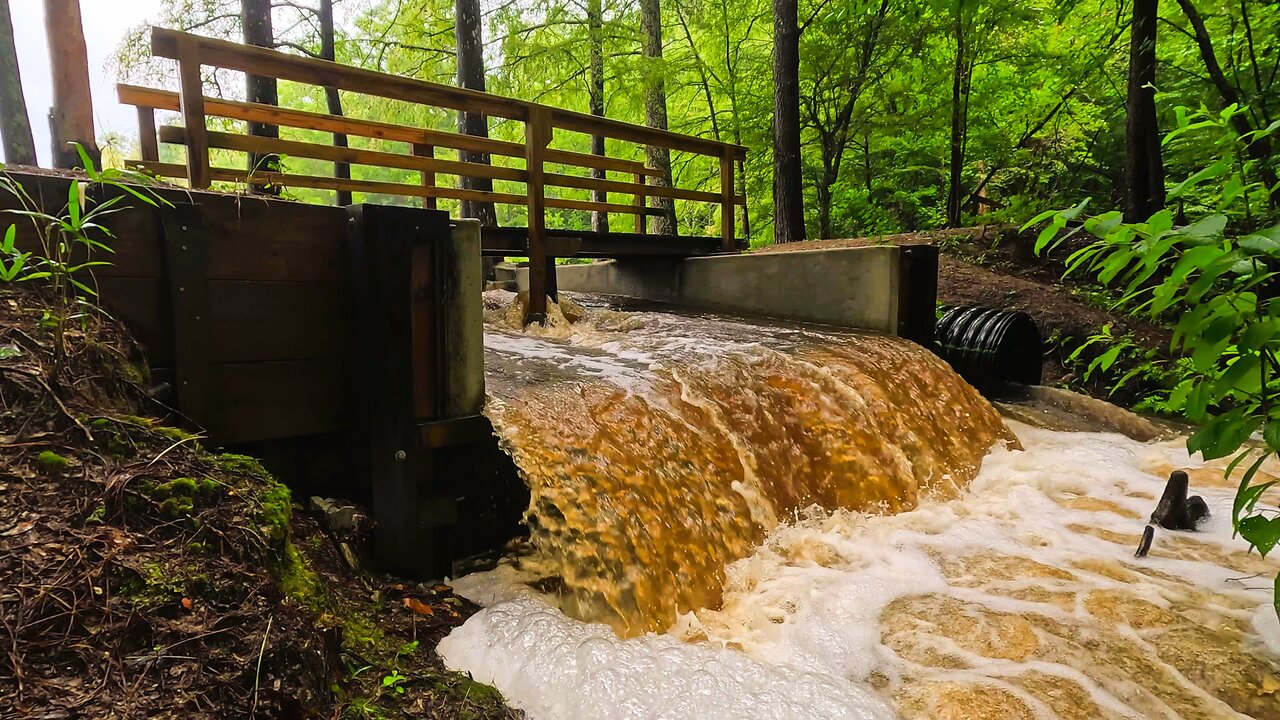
pixel 1215 281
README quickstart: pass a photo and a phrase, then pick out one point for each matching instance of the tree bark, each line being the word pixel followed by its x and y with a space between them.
pixel 959 119
pixel 788 196
pixel 1260 149
pixel 255 25
pixel 595 34
pixel 15 125
pixel 467 32
pixel 328 51
pixel 655 109
pixel 71 119
pixel 1143 164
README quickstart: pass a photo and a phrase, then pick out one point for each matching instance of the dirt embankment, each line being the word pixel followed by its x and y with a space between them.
pixel 142 576
pixel 995 266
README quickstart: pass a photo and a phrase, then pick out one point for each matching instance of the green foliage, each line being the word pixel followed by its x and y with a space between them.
pixel 69 239
pixel 1215 281
pixel 1041 113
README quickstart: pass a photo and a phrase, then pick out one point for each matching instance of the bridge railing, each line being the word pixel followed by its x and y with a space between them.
pixel 541 123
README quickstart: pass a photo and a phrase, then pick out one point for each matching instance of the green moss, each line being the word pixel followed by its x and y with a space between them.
pixel 209 489
pixel 51 461
pixel 119 446
pixel 97 516
pixel 177 507
pixel 155 584
pixel 196 547
pixel 182 487
pixel 241 465
pixel 275 510
pixel 481 701
pixel 296 579
pixel 135 420
pixel 173 433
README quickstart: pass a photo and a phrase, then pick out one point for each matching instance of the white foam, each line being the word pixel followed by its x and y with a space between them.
pixel 553 667
pixel 808 623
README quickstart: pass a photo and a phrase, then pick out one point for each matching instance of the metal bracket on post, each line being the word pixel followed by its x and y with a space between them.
pixel 186 263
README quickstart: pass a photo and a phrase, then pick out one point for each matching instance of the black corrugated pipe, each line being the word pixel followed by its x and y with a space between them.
pixel 991 348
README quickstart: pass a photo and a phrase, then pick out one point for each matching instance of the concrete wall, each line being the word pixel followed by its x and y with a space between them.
pixel 850 287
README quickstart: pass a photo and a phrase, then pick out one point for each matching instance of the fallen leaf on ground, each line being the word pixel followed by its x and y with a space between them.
pixel 418 606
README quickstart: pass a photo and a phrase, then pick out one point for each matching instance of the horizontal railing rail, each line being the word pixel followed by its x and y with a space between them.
pixel 541 162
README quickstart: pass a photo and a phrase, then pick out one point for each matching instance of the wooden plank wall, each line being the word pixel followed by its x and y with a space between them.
pixel 273 285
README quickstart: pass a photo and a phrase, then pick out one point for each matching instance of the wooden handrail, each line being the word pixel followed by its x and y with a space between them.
pixel 261 177
pixel 261 61
pixel 143 97
pixel 272 146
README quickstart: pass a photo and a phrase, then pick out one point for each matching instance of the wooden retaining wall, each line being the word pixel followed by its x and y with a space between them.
pixel 276 322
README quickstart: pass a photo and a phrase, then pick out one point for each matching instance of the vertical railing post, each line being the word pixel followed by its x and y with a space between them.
pixel 537 131
pixel 147 142
pixel 428 176
pixel 746 215
pixel 641 201
pixel 191 92
pixel 728 243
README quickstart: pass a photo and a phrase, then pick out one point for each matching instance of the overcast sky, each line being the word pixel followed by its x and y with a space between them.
pixel 105 23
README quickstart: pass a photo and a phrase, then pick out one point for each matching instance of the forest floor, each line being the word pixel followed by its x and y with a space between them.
pixel 142 576
pixel 995 266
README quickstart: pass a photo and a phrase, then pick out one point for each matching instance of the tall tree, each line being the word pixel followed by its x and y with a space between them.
pixel 595 83
pixel 71 120
pixel 328 51
pixel 842 52
pixel 961 83
pixel 255 24
pixel 788 195
pixel 1143 162
pixel 1232 94
pixel 15 126
pixel 655 108
pixel 467 32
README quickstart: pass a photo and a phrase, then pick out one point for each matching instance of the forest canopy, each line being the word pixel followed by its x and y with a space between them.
pixel 914 114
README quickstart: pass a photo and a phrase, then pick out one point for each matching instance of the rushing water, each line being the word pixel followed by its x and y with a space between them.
pixel 798 514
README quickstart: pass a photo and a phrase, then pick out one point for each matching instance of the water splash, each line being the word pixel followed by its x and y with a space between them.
pixel 1019 598
pixel 660 448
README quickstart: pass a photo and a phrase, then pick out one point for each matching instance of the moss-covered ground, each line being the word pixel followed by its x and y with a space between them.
pixel 142 575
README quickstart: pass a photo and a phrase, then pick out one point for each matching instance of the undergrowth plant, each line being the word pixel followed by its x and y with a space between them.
pixel 1216 282
pixel 71 240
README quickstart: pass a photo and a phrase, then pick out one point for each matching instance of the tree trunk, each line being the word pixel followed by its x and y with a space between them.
pixel 255 24
pixel 788 197
pixel 959 87
pixel 655 109
pixel 15 126
pixel 332 98
pixel 595 33
pixel 823 189
pixel 467 27
pixel 71 119
pixel 1143 163
pixel 1259 149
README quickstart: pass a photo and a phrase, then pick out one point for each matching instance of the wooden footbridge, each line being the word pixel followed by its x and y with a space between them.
pixel 347 342
pixel 536 162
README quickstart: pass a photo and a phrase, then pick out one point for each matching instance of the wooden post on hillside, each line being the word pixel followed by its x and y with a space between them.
pixel 71 119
